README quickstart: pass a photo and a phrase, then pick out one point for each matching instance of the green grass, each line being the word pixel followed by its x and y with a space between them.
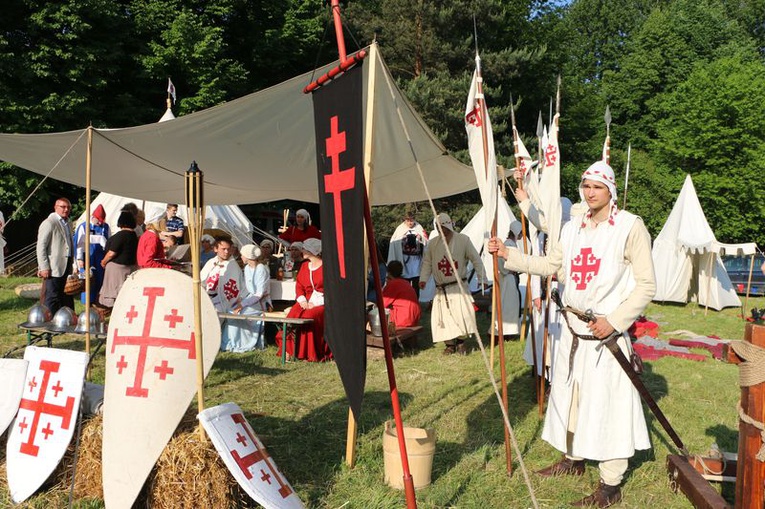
pixel 300 412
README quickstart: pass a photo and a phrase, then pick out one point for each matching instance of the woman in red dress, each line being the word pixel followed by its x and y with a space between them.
pixel 309 289
pixel 302 230
pixel 400 297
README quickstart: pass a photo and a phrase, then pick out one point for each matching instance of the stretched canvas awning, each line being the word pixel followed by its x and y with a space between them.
pixel 254 149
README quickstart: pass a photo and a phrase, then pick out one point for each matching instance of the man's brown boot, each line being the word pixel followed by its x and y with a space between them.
pixel 566 466
pixel 604 496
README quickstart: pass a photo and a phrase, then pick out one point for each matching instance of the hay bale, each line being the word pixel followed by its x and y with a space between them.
pixel 188 473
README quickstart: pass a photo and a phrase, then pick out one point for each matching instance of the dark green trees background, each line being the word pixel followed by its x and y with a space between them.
pixel 683 79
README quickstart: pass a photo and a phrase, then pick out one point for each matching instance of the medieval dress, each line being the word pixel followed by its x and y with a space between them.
pixel 511 298
pixel 452 315
pixel 606 268
pixel 308 343
pixel 400 298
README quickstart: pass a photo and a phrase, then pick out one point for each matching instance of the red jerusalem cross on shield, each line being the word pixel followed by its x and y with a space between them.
pixel 584 267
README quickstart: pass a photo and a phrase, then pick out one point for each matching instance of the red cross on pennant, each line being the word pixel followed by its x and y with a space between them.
pixel 474 117
pixel 551 155
pixel 40 407
pixel 337 182
pixel 584 267
pixel 245 462
pixel 445 267
pixel 146 341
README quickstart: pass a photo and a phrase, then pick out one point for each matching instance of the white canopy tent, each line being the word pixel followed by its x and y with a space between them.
pixel 686 257
pixel 228 218
pixel 255 149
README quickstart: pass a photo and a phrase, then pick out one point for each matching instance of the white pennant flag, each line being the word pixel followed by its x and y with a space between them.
pixel 549 184
pixel 171 89
pixel 478 127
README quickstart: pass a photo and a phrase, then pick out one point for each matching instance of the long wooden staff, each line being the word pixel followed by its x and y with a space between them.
pixel 496 294
pixel 607 152
pixel 627 175
pixel 528 314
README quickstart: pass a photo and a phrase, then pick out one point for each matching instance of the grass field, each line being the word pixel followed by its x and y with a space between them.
pixel 300 413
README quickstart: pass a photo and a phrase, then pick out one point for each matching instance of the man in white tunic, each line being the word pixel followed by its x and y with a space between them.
pixel 222 277
pixel 452 317
pixel 594 411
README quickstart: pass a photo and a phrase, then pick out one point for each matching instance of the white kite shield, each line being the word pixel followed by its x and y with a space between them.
pixel 13 372
pixel 46 419
pixel 151 368
pixel 247 458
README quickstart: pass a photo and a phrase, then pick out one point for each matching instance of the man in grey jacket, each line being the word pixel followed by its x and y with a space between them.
pixel 54 255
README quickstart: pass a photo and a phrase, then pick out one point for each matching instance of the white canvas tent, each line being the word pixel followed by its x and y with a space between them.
pixel 255 149
pixel 228 218
pixel 686 256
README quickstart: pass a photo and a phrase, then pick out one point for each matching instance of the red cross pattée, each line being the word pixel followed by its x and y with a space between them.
pixel 474 117
pixel 244 462
pixel 551 155
pixel 584 267
pixel 445 267
pixel 337 182
pixel 145 340
pixel 40 407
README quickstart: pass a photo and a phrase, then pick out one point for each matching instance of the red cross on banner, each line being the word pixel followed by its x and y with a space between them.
pixel 147 340
pixel 551 155
pixel 584 267
pixel 474 117
pixel 337 182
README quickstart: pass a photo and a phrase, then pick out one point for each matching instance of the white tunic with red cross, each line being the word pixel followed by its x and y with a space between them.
pixel 223 281
pixel 610 422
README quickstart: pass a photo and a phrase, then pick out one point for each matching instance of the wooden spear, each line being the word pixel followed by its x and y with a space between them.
pixel 607 152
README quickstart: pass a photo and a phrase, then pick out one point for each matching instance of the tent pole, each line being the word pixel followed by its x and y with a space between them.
pixel 88 171
pixel 351 434
pixel 748 286
pixel 709 282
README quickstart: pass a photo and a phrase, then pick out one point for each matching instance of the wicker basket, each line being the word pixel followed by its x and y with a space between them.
pixel 74 285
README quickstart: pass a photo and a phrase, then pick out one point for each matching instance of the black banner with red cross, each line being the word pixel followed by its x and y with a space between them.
pixel 338 118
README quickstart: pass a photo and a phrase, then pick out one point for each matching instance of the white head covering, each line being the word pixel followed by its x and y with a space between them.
pixel 207 238
pixel 312 246
pixel 298 245
pixel 445 221
pixel 600 172
pixel 305 214
pixel 250 251
pixel 267 242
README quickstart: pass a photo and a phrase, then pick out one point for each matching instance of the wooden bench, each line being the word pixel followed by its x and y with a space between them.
pixel 405 337
pixel 272 317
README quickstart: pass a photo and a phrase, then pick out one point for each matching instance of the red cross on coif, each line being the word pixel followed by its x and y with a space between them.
pixel 584 267
pixel 146 340
pixel 40 407
pixel 244 462
pixel 337 182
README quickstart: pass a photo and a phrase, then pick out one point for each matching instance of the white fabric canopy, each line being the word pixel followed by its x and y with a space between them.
pixel 255 149
pixel 686 256
pixel 228 218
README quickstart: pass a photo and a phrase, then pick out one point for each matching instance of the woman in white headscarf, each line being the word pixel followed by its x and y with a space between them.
pixel 308 341
pixel 301 230
pixel 245 335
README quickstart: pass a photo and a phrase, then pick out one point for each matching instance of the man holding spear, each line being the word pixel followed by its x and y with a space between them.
pixel 594 411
